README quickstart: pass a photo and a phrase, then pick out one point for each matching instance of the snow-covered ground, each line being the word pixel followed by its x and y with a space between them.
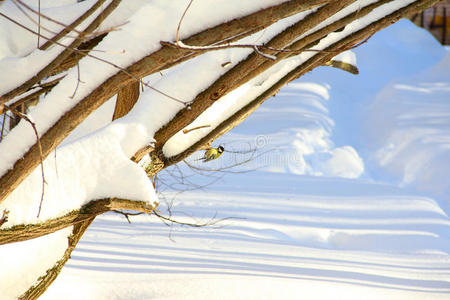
pixel 349 198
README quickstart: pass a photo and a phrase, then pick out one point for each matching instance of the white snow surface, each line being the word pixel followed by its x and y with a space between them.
pixel 348 202
pixel 32 256
pixel 122 138
pixel 294 235
pixel 414 139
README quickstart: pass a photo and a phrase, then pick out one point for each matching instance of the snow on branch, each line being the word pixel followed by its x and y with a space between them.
pixel 25 232
pixel 78 109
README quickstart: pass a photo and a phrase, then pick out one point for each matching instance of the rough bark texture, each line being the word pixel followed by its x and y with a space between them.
pixel 320 58
pixel 20 233
pixel 80 220
pixel 126 83
pixel 45 281
pixel 126 99
pixel 154 62
pixel 74 24
pixel 65 53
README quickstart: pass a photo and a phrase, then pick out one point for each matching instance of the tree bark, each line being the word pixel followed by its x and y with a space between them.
pixel 166 56
pixel 319 59
pixel 64 54
pixel 150 64
pixel 20 233
pixel 126 99
pixel 45 281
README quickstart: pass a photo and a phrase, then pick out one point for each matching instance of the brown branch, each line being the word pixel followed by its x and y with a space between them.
pixel 355 39
pixel 152 63
pixel 234 77
pixel 311 39
pixel 186 131
pixel 38 13
pixel 2 131
pixel 45 281
pixel 81 220
pixel 19 233
pixel 39 21
pixel 72 26
pixel 212 221
pixel 41 158
pixel 33 95
pixel 4 217
pixel 126 99
pixel 76 55
pixel 63 55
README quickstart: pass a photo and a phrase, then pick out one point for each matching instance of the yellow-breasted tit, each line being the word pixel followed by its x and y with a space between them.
pixel 212 153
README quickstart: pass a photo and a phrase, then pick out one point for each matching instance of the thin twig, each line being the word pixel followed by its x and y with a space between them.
pixel 3 124
pixel 185 103
pixel 127 214
pixel 78 80
pixel 186 131
pixel 41 156
pixel 185 47
pixel 26 14
pixel 39 22
pixel 4 217
pixel 44 16
pixel 181 20
pixel 256 48
pixel 211 222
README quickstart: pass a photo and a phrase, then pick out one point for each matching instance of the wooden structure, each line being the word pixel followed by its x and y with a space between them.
pixel 436 20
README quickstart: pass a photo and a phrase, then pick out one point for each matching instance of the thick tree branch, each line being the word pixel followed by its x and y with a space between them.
pixel 75 56
pixel 154 62
pixel 30 231
pixel 235 76
pixel 45 281
pixel 64 54
pixel 317 60
pixel 72 26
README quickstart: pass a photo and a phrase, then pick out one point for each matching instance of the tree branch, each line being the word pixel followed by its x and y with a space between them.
pixel 154 62
pixel 72 26
pixel 317 60
pixel 234 77
pixel 64 53
pixel 45 281
pixel 19 233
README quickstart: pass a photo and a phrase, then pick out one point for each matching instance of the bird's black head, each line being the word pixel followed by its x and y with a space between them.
pixel 220 149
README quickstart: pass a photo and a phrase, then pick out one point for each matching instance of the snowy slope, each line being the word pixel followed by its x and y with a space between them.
pixel 320 220
pixel 352 240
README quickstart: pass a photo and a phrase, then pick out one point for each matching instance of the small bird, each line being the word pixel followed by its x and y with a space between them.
pixel 212 153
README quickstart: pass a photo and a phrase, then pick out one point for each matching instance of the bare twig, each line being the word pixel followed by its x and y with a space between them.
pixel 37 12
pixel 127 214
pixel 34 92
pixel 63 54
pixel 26 118
pixel 211 222
pixel 186 131
pixel 255 47
pixel 181 20
pixel 4 217
pixel 3 124
pixel 7 95
pixel 180 44
pixel 78 81
pixel 39 22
